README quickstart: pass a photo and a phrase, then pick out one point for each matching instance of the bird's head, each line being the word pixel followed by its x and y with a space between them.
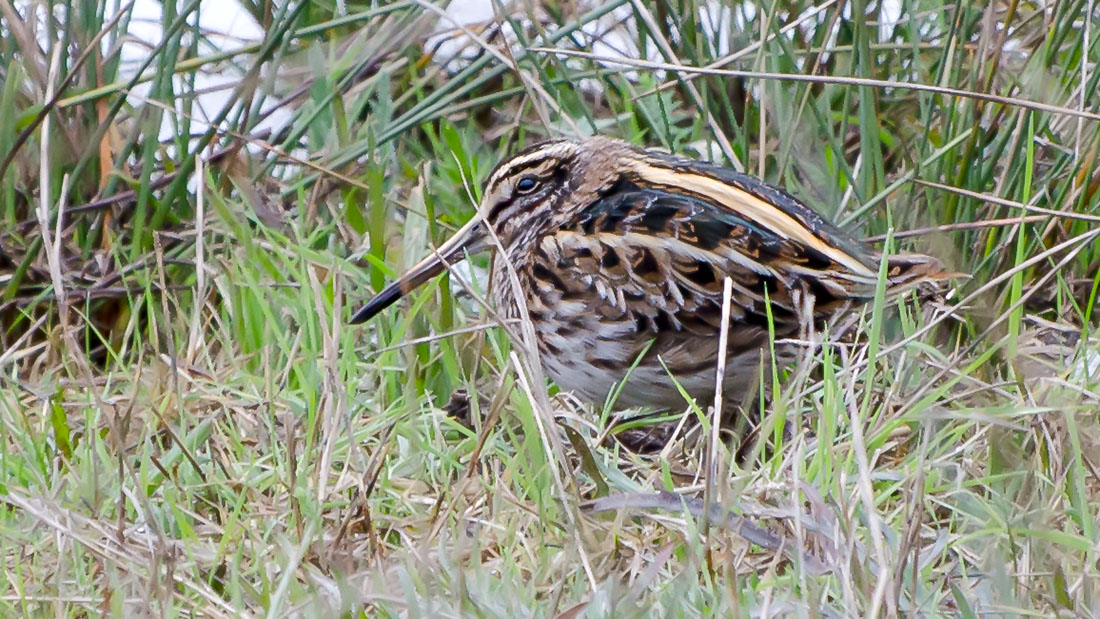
pixel 536 186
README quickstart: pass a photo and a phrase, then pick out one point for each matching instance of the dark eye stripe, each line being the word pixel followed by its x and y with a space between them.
pixel 546 178
pixel 499 208
pixel 531 162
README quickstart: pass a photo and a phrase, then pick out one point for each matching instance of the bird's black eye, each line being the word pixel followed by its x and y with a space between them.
pixel 526 185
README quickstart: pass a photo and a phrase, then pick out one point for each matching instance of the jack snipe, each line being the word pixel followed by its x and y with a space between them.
pixel 618 249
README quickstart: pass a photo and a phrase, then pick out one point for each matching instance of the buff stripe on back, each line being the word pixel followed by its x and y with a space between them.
pixel 746 205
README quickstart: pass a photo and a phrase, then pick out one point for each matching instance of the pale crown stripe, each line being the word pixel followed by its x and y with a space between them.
pixel 521 162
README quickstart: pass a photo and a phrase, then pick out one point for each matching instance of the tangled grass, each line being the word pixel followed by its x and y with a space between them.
pixel 188 426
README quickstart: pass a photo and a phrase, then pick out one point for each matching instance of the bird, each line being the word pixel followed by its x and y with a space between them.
pixel 621 254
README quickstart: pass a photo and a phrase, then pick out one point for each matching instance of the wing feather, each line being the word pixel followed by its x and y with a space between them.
pixel 675 249
pixel 657 259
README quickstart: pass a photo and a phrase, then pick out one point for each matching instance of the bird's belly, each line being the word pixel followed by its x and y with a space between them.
pixel 590 335
pixel 598 357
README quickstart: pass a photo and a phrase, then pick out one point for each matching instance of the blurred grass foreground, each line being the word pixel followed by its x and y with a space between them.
pixel 189 202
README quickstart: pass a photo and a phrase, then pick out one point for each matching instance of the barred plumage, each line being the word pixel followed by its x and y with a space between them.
pixel 621 250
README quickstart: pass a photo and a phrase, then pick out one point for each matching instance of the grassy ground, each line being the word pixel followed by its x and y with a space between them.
pixel 189 426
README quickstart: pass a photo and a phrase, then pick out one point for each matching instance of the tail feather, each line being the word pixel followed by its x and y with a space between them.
pixel 907 271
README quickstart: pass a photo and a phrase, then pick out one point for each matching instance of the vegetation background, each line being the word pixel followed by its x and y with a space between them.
pixel 188 426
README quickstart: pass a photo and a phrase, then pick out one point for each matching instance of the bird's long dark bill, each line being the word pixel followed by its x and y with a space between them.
pixel 470 238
